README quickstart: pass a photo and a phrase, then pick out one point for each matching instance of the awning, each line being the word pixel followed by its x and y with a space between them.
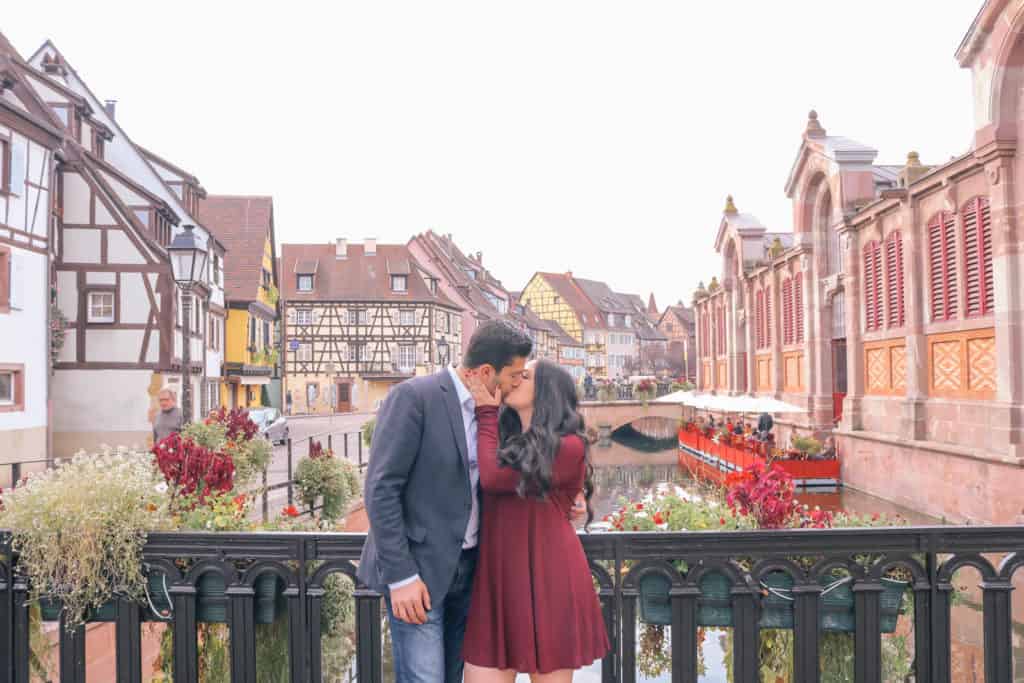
pixel 730 404
pixel 250 380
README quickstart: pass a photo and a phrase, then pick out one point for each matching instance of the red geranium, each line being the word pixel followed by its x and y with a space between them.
pixel 290 511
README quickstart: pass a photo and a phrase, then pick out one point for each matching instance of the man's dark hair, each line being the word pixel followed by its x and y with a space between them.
pixel 496 343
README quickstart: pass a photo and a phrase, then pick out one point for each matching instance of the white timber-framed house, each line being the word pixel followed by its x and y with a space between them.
pixel 117 207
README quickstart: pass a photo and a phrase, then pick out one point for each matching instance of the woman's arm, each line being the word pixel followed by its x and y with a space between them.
pixel 568 469
pixel 493 477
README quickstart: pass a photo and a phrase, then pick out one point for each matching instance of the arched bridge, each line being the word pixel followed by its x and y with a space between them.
pixel 615 414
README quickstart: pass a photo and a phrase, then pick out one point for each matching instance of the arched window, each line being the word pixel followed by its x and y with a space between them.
pixel 721 330
pixel 768 317
pixel 894 279
pixel 759 320
pixel 798 308
pixel 978 283
pixel 787 311
pixel 942 265
pixel 872 286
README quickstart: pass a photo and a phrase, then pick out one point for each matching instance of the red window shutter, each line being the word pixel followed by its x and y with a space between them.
pixel 894 279
pixel 798 307
pixel 949 263
pixel 768 317
pixel 977 235
pixel 759 319
pixel 869 286
pixel 721 330
pixel 936 281
pixel 787 311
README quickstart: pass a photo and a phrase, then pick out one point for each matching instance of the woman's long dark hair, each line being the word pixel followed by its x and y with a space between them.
pixel 555 414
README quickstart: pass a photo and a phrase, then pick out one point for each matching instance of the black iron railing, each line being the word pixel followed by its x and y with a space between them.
pixel 620 562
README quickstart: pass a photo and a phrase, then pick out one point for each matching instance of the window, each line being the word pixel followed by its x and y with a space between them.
pixel 443 322
pixel 216 269
pixel 16 184
pixel 305 283
pixel 768 317
pixel 12 388
pixel 5 165
pixel 433 285
pixel 357 352
pixel 628 321
pixel 399 283
pixel 358 317
pixel 406 317
pixel 407 357
pixel 97 143
pixel 798 307
pixel 304 353
pixel 721 330
pixel 265 278
pixel 304 316
pixel 787 311
pixel 872 286
pixel 101 306
pixel 894 279
pixel 252 334
pixel 942 266
pixel 266 334
pixel 979 287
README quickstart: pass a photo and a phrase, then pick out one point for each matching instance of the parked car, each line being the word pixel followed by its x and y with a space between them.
pixel 273 425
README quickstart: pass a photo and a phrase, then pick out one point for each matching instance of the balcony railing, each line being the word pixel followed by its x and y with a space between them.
pixel 620 562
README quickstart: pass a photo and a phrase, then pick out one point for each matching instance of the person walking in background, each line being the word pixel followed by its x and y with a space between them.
pixel 168 421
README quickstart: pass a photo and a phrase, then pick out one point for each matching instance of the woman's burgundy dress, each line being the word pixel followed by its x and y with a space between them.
pixel 534 608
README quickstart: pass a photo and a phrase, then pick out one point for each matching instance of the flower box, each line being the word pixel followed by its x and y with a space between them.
pixel 715 604
pixel 212 600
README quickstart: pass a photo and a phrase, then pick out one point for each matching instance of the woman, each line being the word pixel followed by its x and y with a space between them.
pixel 533 608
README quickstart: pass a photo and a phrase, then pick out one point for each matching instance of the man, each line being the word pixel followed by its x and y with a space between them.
pixel 422 501
pixel 168 420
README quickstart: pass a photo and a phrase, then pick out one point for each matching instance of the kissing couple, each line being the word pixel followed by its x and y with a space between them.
pixel 475 477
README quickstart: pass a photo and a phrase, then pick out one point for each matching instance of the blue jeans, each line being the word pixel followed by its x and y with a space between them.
pixel 432 652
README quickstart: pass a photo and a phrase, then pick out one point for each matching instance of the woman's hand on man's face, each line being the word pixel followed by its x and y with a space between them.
pixel 481 394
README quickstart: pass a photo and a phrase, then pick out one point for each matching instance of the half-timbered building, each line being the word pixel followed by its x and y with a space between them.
pixel 29 139
pixel 358 318
pixel 117 208
pixel 893 310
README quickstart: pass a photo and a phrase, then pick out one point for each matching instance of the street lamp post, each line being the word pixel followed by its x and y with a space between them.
pixel 188 264
pixel 442 352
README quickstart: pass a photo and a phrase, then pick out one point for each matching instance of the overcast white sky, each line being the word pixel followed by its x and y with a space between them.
pixel 589 135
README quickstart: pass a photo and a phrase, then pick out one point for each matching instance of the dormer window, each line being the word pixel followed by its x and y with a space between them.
pixel 433 285
pixel 399 283
pixel 304 283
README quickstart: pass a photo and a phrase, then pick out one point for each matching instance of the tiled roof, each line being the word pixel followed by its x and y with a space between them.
pixel 564 284
pixel 603 297
pixel 242 225
pixel 357 277
pixel 450 260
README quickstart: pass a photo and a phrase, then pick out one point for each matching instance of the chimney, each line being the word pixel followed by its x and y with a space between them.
pixel 341 248
pixel 480 257
pixel 110 106
pixel 913 170
pixel 370 246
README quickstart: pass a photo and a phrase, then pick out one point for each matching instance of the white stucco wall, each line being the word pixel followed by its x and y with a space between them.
pixel 24 339
pixel 101 400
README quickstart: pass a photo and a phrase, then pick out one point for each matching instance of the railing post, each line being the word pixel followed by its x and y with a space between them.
pixel 359 444
pixel 242 626
pixel 290 494
pixel 19 620
pixel 368 638
pixel 922 631
pixel 627 631
pixel 72 653
pixel 15 473
pixel 298 618
pixel 186 642
pixel 868 636
pixel 745 663
pixel 129 643
pixel 684 634
pixel 346 447
pixel 805 633
pixel 330 442
pixel 998 620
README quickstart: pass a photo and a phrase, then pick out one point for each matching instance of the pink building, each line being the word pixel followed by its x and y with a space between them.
pixel 893 311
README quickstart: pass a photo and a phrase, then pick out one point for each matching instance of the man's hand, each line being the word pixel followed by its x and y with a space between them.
pixel 579 508
pixel 411 602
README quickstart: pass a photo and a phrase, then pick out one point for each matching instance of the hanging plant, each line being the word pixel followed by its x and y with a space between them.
pixel 321 476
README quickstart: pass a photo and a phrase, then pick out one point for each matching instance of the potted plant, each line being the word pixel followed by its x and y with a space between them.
pixel 79 530
pixel 606 391
pixel 806 446
pixel 367 431
pixel 331 480
pixel 645 390
pixel 234 434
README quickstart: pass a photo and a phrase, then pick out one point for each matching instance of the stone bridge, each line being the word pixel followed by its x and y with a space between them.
pixel 607 417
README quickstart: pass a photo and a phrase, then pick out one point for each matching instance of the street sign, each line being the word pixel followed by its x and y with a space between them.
pixel 293 345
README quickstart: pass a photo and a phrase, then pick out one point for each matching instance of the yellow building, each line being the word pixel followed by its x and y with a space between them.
pixel 558 297
pixel 251 351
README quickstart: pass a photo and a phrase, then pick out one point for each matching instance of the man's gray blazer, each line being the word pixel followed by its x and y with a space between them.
pixel 418 493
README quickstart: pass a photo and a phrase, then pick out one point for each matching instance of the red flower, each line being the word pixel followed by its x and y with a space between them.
pixel 639 506
pixel 721 520
pixel 658 519
pixel 874 517
pixel 290 511
pixel 240 500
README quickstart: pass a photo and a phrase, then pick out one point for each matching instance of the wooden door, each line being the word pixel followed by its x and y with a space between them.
pixel 344 397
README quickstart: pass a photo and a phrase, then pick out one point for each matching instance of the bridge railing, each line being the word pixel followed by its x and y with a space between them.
pixel 622 565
